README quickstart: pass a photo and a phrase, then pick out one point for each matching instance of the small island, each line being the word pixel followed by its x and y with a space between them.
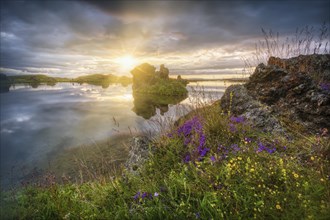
pixel 149 81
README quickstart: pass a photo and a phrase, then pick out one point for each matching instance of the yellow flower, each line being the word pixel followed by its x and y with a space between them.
pixel 278 207
pixel 251 170
pixel 281 162
pixel 312 158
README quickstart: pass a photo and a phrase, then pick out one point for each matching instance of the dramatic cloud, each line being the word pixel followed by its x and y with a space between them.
pixel 67 38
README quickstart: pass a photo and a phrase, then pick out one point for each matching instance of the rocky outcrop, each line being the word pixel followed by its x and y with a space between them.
pixel 163 72
pixel 237 101
pixel 147 74
pixel 315 65
pixel 142 75
pixel 147 80
pixel 138 153
pixel 297 88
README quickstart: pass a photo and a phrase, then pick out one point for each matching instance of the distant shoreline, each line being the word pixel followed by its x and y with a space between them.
pixel 230 80
pixel 94 79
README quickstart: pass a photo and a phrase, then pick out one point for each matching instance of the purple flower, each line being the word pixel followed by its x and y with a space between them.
pixel 232 127
pixel 137 195
pixel 203 152
pixel 198 126
pixel 187 158
pixel 212 158
pixel 189 129
pixel 198 215
pixel 156 194
pixel 270 150
pixel 189 126
pixel 261 147
pixel 144 195
pixel 238 119
pixel 202 140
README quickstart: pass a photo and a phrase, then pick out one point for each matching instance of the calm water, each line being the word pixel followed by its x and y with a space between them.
pixel 38 123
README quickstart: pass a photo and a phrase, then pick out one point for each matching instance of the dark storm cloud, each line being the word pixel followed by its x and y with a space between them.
pixel 67 34
pixel 221 22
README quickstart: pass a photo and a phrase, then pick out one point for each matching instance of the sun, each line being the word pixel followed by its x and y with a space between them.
pixel 126 62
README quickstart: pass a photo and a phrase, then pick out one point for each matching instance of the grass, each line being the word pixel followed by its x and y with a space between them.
pixel 305 40
pixel 209 166
pixel 97 161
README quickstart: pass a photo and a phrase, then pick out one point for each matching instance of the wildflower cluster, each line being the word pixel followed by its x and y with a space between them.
pixel 194 139
pixel 239 119
pixel 224 151
pixel 235 123
pixel 268 147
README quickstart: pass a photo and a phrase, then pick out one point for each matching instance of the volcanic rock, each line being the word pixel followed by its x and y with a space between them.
pixel 297 88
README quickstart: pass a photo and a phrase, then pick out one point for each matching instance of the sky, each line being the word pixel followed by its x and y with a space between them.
pixel 72 38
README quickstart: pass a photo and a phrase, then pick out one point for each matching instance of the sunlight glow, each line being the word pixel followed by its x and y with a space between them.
pixel 127 62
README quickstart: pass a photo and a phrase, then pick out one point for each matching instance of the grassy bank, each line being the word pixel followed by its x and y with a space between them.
pixel 209 166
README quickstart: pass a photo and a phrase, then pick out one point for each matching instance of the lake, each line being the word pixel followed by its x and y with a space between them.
pixel 39 123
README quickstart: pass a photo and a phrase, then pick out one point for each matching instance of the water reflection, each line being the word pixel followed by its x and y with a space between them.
pixel 145 105
pixel 6 85
pixel 40 123
pixel 105 84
